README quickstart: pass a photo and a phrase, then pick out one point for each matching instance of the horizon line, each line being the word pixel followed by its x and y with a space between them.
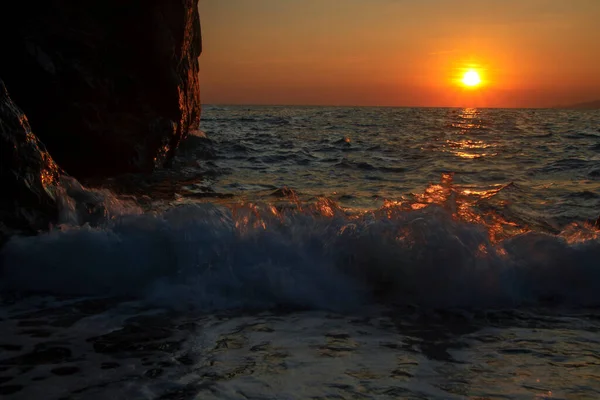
pixel 385 106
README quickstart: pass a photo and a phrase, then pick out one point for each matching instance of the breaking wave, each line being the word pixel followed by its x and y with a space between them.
pixel 434 251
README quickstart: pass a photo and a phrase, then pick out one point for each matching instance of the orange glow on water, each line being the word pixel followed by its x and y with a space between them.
pixel 247 216
pixel 473 205
pixel 325 207
pixel 463 206
pixel 580 232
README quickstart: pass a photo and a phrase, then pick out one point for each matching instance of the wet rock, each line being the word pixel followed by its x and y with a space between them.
pixel 29 177
pixel 198 147
pixel 109 86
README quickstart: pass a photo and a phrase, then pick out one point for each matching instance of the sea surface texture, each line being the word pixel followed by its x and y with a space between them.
pixel 323 253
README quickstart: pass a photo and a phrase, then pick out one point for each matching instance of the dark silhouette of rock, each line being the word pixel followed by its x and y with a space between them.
pixel 590 105
pixel 29 177
pixel 110 86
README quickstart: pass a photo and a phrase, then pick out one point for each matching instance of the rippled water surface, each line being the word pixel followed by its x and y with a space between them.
pixel 360 156
pixel 323 253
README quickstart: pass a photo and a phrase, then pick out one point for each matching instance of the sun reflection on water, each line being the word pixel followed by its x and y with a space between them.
pixel 469 122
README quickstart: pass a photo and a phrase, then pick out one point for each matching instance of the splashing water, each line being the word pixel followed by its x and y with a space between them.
pixel 437 250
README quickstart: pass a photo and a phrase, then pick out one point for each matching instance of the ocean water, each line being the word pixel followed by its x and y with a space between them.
pixel 323 252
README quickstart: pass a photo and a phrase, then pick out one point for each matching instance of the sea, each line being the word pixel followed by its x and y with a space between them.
pixel 322 253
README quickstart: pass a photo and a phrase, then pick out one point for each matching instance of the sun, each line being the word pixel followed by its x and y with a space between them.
pixel 471 78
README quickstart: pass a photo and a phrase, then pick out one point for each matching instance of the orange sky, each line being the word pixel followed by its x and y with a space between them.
pixel 530 53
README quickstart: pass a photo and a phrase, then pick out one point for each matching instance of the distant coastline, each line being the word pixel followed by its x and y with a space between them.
pixel 590 105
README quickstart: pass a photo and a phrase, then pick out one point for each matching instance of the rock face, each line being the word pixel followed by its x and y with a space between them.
pixel 109 86
pixel 28 176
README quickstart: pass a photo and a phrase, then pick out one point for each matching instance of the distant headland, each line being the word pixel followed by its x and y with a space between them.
pixel 590 105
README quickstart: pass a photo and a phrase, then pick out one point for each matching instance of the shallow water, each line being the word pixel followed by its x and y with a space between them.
pixel 101 348
pixel 313 252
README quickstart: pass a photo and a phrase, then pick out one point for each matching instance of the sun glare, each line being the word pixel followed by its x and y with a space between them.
pixel 471 78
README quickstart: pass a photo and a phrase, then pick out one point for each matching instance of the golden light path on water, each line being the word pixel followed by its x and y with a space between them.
pixel 462 201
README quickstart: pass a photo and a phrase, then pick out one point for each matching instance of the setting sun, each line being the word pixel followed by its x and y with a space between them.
pixel 471 78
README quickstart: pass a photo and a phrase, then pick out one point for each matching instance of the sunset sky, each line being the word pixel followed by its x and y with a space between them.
pixel 528 53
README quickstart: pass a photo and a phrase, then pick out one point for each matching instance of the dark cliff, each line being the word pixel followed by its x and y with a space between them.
pixel 28 175
pixel 109 86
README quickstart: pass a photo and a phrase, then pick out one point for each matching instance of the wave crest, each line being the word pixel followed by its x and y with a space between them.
pixel 315 255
